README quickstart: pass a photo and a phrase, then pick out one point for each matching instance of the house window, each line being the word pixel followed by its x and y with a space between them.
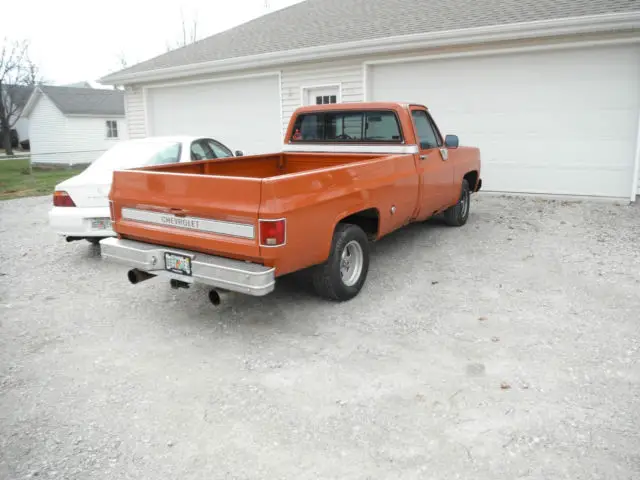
pixel 325 99
pixel 112 129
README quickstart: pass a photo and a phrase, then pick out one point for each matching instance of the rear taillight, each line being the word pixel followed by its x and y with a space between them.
pixel 272 232
pixel 62 199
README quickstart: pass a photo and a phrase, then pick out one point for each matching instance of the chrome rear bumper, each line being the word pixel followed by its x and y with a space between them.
pixel 234 275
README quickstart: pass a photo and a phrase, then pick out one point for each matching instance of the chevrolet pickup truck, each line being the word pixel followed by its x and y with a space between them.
pixel 348 174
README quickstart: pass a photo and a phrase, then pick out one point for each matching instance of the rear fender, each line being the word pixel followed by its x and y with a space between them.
pixel 338 219
pixel 355 211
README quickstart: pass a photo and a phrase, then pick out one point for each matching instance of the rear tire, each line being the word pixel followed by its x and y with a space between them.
pixel 343 275
pixel 457 215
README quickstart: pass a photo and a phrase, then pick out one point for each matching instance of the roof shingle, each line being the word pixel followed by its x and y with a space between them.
pixel 85 101
pixel 19 94
pixel 314 23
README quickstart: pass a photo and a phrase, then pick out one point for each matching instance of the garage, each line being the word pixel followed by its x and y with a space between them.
pixel 243 113
pixel 557 121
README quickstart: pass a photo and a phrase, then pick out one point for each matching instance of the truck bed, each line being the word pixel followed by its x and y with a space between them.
pixel 214 206
pixel 264 166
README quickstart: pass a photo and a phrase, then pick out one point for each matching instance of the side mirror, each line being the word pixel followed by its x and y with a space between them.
pixel 451 141
pixel 239 153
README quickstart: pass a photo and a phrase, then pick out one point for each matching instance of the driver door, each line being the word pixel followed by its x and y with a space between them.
pixel 434 169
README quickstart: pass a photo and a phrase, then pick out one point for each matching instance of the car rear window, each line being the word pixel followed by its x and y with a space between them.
pixel 347 126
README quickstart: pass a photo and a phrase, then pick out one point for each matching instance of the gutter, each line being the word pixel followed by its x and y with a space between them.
pixel 515 31
pixel 96 115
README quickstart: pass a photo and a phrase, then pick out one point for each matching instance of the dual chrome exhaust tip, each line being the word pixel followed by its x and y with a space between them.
pixel 136 276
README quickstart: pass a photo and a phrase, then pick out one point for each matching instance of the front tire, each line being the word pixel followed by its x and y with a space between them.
pixel 343 275
pixel 457 215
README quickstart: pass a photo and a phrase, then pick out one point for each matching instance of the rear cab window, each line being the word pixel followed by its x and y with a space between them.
pixel 348 126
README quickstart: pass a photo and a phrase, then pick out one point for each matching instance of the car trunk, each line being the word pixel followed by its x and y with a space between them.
pixel 88 190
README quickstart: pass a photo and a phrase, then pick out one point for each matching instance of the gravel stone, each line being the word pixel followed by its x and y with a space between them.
pixel 98 376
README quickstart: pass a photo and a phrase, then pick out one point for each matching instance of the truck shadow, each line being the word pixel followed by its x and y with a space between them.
pixel 293 307
pixel 400 245
pixel 400 241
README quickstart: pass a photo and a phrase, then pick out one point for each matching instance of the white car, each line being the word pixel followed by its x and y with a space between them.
pixel 81 204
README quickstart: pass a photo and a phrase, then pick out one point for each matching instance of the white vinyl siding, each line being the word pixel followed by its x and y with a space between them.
pixel 56 138
pixel 134 108
pixel 346 73
pixel 89 137
pixel 48 133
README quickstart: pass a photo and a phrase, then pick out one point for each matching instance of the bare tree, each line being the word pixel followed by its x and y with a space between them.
pixel 122 59
pixel 189 33
pixel 18 76
pixel 32 76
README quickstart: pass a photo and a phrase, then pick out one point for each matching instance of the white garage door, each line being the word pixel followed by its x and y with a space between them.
pixel 562 122
pixel 243 114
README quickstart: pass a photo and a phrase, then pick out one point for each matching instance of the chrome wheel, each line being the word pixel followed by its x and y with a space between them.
pixel 351 262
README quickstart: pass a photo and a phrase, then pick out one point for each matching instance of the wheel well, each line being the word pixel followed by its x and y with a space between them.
pixel 472 179
pixel 368 220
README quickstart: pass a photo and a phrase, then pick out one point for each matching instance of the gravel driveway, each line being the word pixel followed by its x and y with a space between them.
pixel 505 349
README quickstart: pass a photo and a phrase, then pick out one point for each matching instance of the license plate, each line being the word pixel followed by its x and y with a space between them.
pixel 177 263
pixel 101 223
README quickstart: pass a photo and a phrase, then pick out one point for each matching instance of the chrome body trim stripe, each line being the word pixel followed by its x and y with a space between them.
pixel 234 229
pixel 342 148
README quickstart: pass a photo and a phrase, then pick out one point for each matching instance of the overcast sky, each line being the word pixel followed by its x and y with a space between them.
pixel 73 40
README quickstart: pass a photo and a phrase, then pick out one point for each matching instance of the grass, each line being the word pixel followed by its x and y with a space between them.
pixel 17 182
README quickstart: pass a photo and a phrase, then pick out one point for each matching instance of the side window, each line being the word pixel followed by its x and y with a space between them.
pixel 219 150
pixel 424 130
pixel 170 154
pixel 197 151
pixel 435 130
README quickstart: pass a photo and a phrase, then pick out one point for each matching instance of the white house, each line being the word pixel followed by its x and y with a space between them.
pixel 73 125
pixel 549 91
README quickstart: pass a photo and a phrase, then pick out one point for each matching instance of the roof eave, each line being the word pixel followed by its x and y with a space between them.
pixel 515 31
pixel 31 103
pixel 95 115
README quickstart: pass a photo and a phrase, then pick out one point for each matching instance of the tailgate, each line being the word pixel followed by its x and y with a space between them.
pixel 205 213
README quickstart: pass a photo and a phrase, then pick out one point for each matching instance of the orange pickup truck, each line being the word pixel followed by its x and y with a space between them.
pixel 348 174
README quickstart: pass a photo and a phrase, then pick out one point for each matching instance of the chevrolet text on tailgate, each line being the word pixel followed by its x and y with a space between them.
pixel 348 174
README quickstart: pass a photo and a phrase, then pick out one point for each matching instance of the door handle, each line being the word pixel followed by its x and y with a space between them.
pixel 423 157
